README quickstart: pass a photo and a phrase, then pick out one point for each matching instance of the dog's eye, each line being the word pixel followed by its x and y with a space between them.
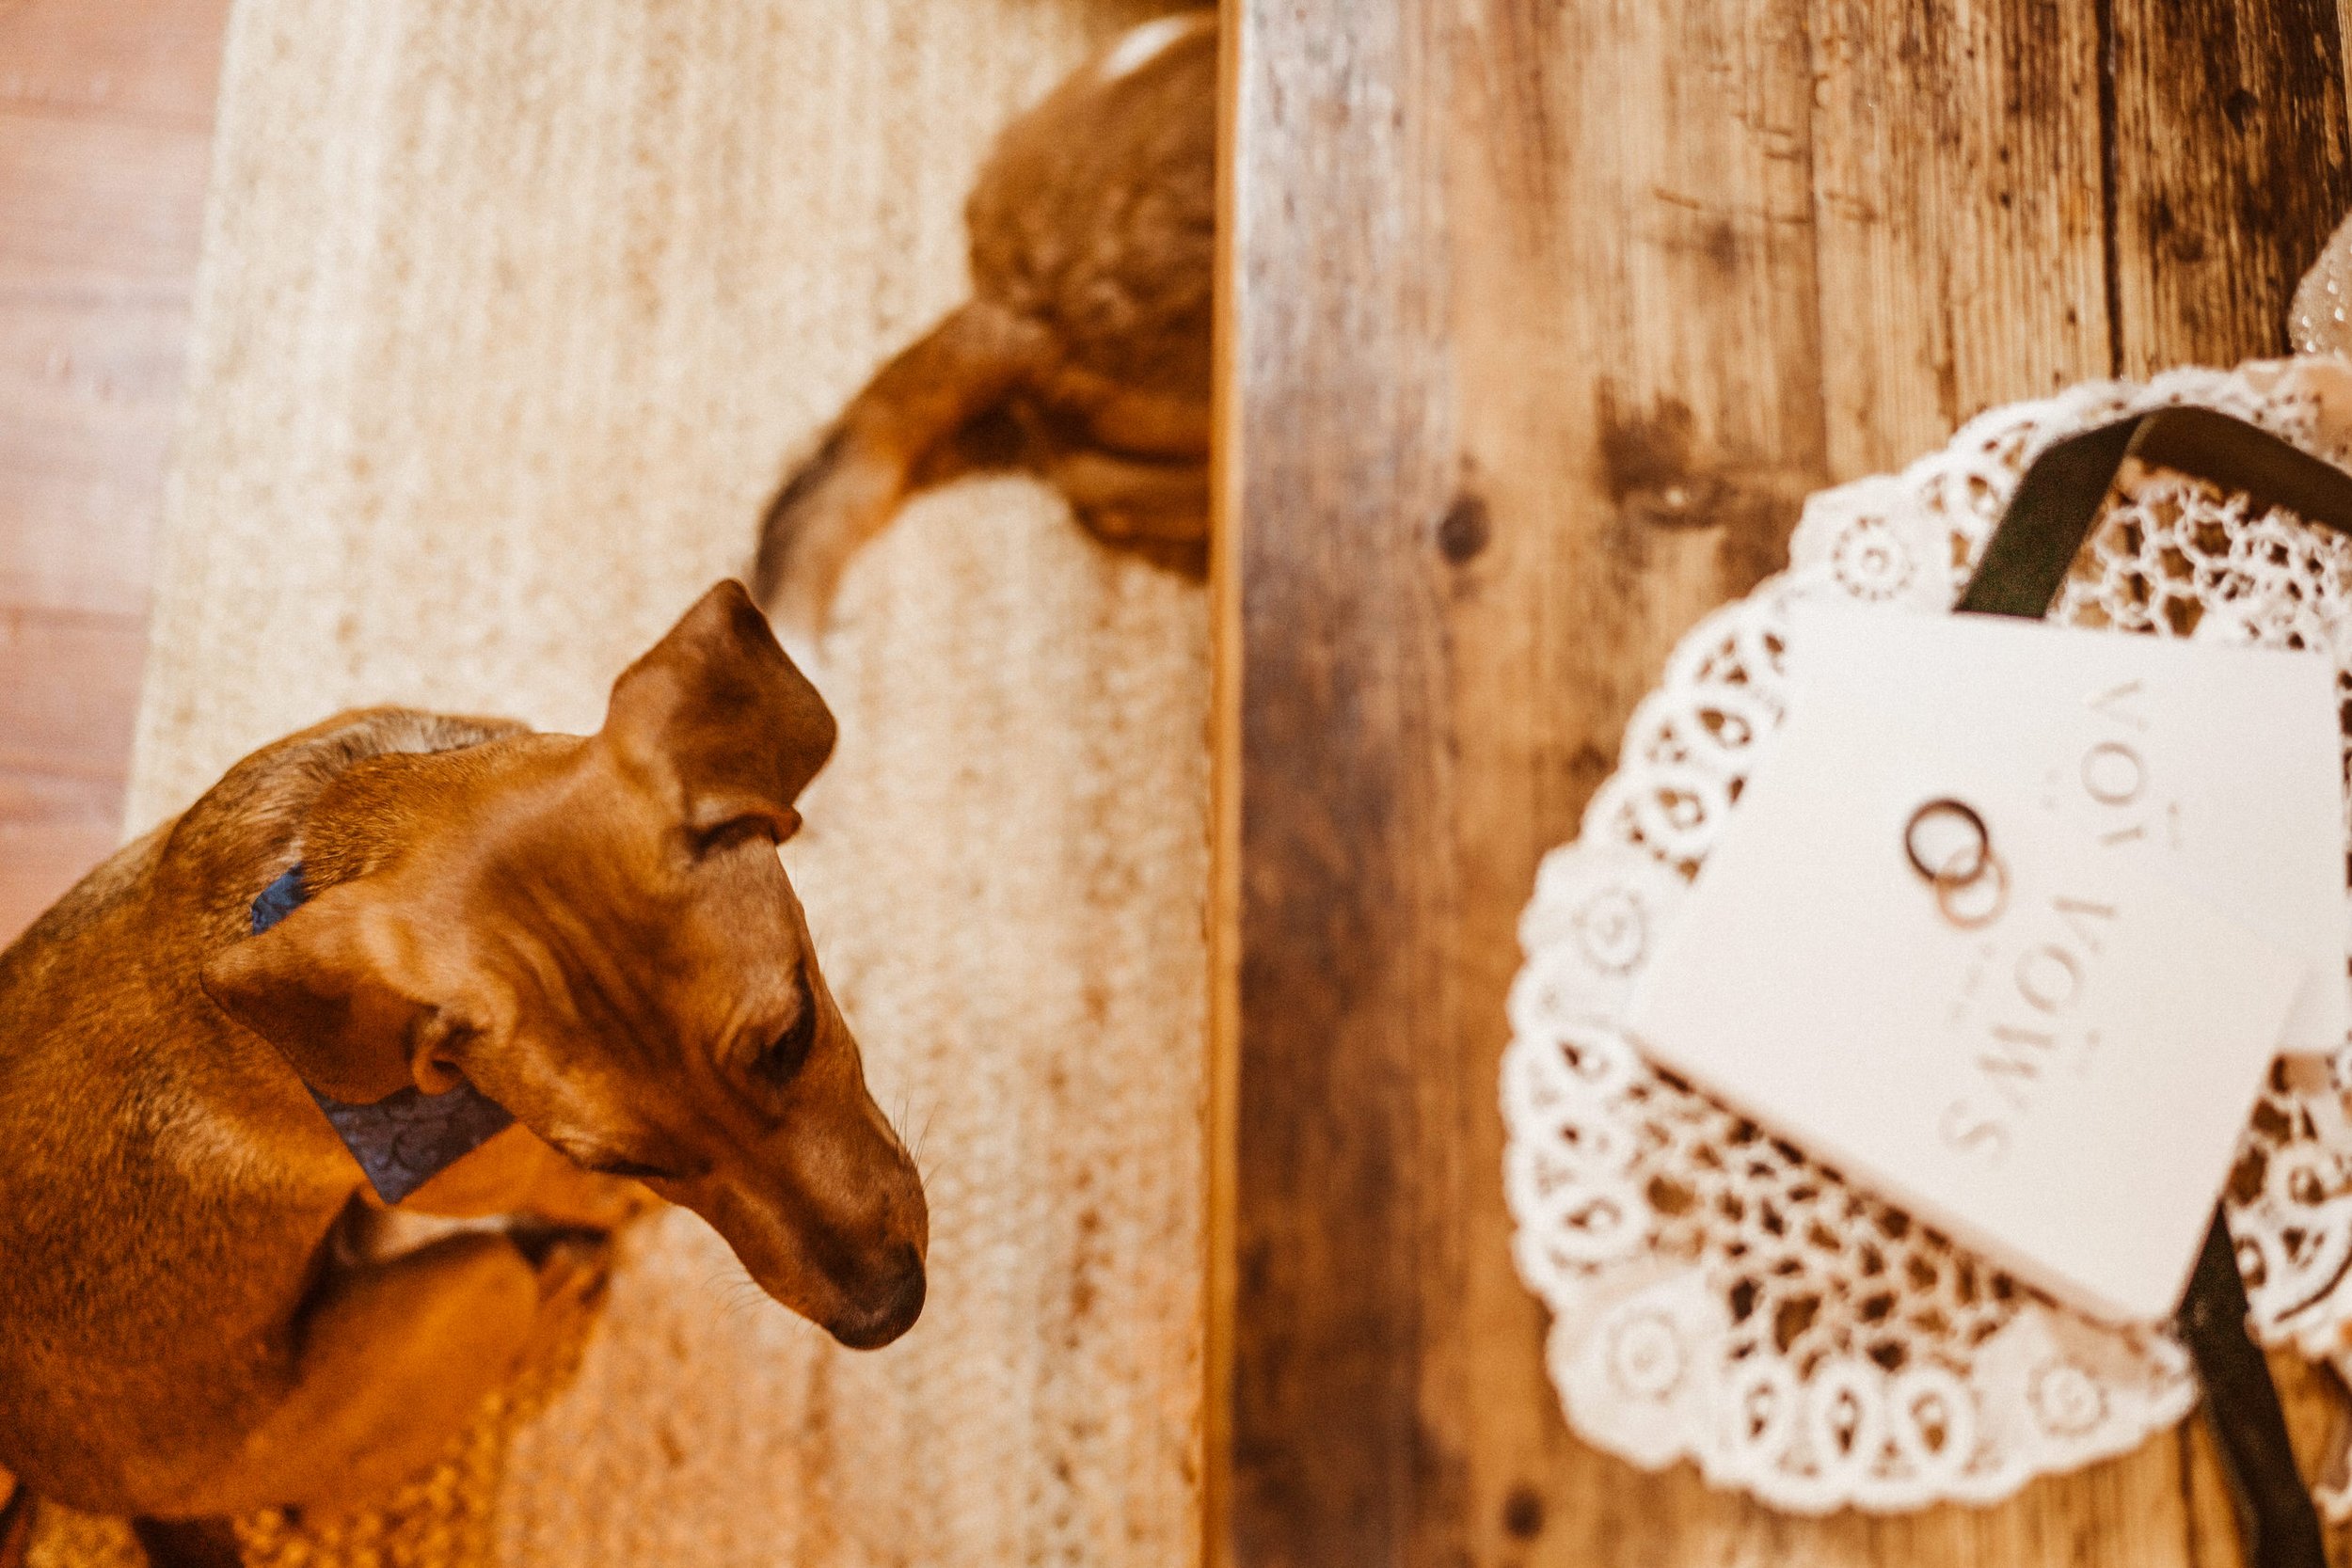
pixel 783 1056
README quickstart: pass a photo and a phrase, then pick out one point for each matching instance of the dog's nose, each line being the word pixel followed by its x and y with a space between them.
pixel 895 1301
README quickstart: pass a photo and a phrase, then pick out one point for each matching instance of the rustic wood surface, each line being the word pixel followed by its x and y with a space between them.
pixel 1543 318
pixel 105 120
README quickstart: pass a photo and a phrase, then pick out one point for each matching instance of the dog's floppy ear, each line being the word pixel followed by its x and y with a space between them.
pixel 346 992
pixel 719 718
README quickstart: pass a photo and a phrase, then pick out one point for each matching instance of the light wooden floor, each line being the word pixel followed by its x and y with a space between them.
pixel 106 125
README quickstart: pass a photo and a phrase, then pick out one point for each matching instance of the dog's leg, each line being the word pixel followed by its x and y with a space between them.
pixel 394 1357
pixel 1123 499
pixel 17 1507
pixel 188 1542
pixel 1160 509
pixel 515 1175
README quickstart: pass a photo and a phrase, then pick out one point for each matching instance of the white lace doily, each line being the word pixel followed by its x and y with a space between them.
pixel 1714 1295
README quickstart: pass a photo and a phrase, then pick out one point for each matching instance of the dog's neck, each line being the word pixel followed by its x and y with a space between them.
pixel 337 821
pixel 405 1139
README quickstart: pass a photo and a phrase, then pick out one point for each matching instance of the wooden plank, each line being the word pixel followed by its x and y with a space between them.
pixel 88 392
pixel 105 113
pixel 1542 317
pixel 1637 369
pixel 151 61
pixel 68 688
pixel 1420 721
pixel 2230 171
pixel 68 681
pixel 105 119
pixel 52 828
pixel 1340 456
pixel 96 269
pixel 97 203
pixel 1221 912
pixel 1958 171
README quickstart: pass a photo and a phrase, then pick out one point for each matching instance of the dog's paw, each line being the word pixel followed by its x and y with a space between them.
pixel 611 1202
pixel 567 1197
pixel 574 1267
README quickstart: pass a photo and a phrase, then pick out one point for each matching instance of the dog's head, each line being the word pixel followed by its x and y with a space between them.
pixel 597 933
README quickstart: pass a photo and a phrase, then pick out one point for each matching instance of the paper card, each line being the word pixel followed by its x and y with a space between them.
pixel 2222 764
pixel 2061 1088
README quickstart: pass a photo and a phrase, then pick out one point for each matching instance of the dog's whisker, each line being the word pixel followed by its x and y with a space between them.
pixel 731 1288
pixel 735 1297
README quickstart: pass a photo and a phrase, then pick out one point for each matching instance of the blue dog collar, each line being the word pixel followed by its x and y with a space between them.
pixel 406 1139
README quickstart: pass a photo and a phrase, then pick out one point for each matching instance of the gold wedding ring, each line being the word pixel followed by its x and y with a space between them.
pixel 1971 883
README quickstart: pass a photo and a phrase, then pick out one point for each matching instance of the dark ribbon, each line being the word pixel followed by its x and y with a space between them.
pixel 2024 565
pixel 408 1137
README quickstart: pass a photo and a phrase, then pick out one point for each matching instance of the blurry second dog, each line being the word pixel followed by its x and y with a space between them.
pixel 1083 355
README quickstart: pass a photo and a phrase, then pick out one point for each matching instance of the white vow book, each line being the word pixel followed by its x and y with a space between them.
pixel 2051 1059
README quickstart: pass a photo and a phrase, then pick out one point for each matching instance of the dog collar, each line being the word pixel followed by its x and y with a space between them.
pixel 405 1139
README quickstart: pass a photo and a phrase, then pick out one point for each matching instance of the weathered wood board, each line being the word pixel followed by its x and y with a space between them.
pixel 1543 318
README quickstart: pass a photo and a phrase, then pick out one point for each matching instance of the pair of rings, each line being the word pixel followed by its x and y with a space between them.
pixel 1948 843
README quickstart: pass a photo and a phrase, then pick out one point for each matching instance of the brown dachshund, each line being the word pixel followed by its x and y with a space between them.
pixel 592 934
pixel 1084 352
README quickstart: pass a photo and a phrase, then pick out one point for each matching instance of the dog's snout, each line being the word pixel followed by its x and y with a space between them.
pixel 891 1306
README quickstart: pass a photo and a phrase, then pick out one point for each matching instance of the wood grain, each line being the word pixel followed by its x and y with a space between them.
pixel 1637 377
pixel 1220 911
pixel 1343 455
pixel 69 681
pixel 106 116
pixel 2228 170
pixel 1956 176
pixel 152 62
pixel 1544 317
